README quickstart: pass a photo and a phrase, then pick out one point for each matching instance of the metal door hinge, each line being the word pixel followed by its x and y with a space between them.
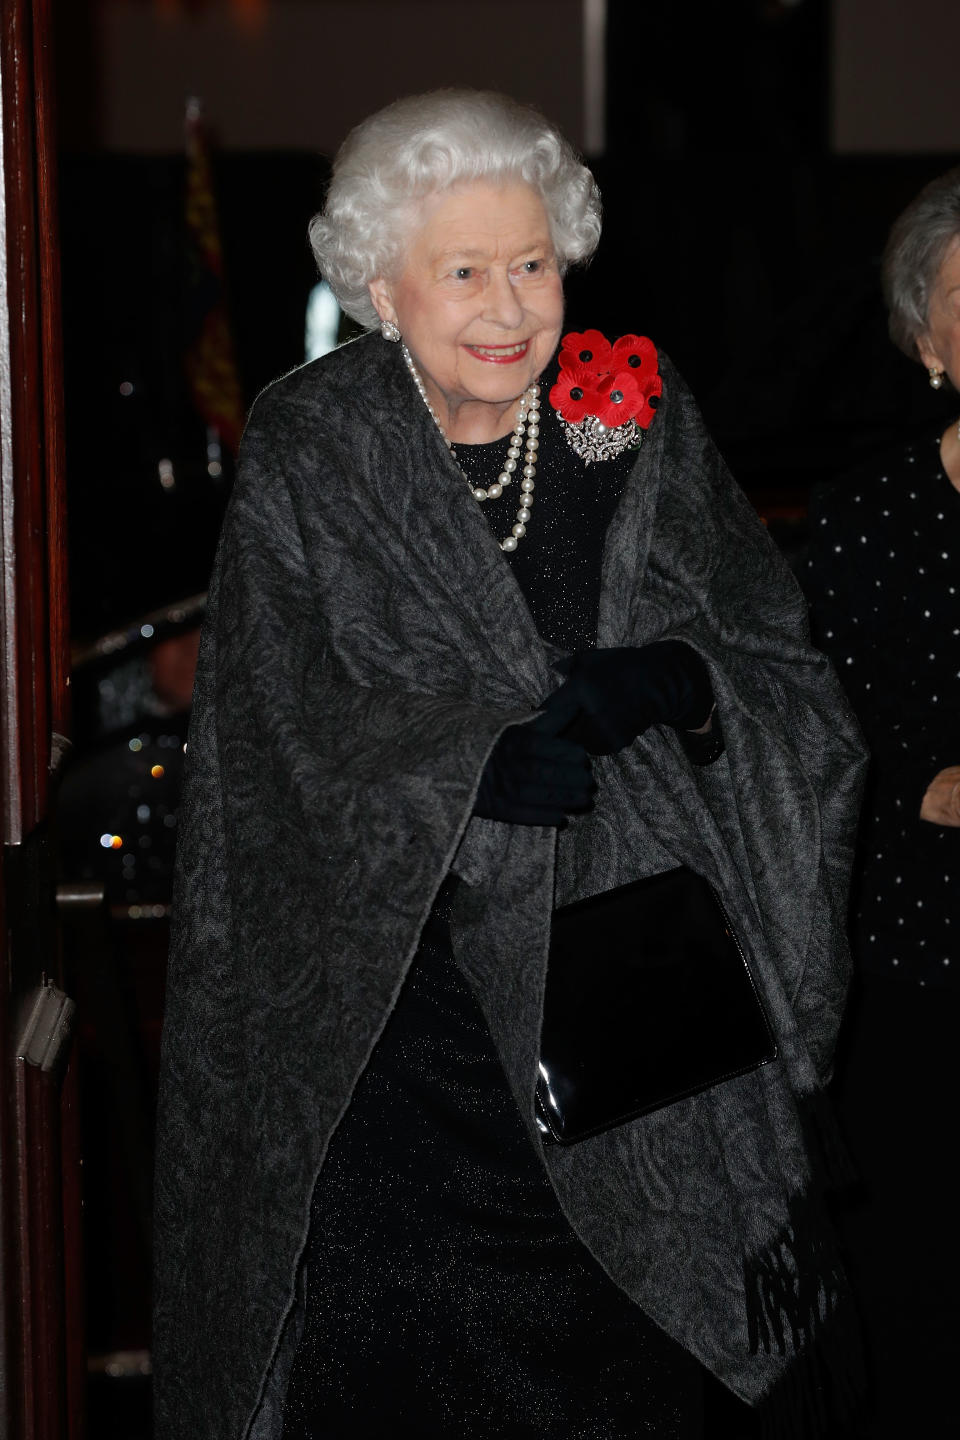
pixel 46 1034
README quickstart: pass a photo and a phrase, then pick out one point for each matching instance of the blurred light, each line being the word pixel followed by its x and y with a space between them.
pixel 146 631
pixel 323 321
pixel 106 841
pixel 135 744
pixel 126 388
pixel 251 14
pixel 594 76
pixel 143 813
pixel 165 468
pixel 157 772
pixel 215 469
pixel 116 842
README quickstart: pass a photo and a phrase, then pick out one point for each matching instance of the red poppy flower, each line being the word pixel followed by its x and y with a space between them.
pixel 616 383
pixel 640 389
pixel 588 348
pixel 575 395
pixel 636 351
pixel 650 391
pixel 620 399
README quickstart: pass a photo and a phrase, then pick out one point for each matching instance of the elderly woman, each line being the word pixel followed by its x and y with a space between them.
pixel 491 631
pixel 884 583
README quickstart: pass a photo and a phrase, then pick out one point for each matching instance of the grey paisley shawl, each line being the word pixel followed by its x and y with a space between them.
pixel 365 645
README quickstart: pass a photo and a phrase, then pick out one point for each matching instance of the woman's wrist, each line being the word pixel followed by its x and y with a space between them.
pixel 707 725
pixel 703 746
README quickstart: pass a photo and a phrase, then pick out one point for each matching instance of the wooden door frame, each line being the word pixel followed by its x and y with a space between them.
pixel 41 1355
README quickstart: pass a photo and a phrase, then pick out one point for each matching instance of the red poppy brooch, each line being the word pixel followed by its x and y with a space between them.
pixel 606 394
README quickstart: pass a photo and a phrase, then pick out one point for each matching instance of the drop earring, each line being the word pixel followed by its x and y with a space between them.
pixel 389 331
pixel 936 377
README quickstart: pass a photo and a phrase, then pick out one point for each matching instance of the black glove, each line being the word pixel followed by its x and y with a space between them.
pixel 617 693
pixel 534 778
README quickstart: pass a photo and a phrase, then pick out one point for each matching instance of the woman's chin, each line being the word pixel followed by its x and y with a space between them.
pixel 499 383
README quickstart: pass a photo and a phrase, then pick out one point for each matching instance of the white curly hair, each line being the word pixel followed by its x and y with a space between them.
pixel 424 144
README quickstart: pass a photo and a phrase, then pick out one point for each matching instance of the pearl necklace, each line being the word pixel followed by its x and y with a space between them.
pixel 527 425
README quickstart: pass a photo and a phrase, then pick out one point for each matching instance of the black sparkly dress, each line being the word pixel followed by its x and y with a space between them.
pixel 446 1293
pixel 883 578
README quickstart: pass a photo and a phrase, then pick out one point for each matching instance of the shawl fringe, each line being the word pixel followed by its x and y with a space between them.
pixel 819 1398
pixel 798 1300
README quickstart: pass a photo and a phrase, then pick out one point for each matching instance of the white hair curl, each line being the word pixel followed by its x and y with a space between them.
pixel 427 143
pixel 916 249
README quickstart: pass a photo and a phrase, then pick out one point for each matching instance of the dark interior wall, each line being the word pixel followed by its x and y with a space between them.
pixel 297 74
pixel 130 312
pixel 893 77
pixel 750 246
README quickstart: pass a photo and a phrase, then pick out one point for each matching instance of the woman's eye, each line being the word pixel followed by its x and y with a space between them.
pixel 532 267
pixel 463 272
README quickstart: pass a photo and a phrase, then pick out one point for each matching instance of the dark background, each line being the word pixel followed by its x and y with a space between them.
pixel 742 233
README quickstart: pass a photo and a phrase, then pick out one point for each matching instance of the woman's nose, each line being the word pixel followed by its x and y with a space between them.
pixel 502 304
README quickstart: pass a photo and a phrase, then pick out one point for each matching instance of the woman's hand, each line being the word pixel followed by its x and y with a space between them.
pixel 941 802
pixel 535 778
pixel 616 694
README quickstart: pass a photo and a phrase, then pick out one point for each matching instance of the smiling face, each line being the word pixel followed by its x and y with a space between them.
pixel 939 346
pixel 479 303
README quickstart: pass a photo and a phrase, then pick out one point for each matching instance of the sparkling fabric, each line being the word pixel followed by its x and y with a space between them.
pixel 446 1293
pixel 883 577
pixel 558 563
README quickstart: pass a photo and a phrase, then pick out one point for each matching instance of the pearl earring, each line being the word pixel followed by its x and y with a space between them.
pixel 389 331
pixel 936 377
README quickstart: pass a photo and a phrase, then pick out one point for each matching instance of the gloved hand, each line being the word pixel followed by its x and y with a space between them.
pixel 535 778
pixel 617 693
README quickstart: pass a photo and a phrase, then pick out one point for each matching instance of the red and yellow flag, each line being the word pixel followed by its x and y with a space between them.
pixel 210 360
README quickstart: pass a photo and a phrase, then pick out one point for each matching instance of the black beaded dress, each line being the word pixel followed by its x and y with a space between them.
pixel 883 578
pixel 446 1292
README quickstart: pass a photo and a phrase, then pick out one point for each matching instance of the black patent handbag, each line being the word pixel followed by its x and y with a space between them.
pixel 649 999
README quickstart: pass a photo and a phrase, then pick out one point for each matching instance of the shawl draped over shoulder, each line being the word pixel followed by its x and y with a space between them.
pixel 365 645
